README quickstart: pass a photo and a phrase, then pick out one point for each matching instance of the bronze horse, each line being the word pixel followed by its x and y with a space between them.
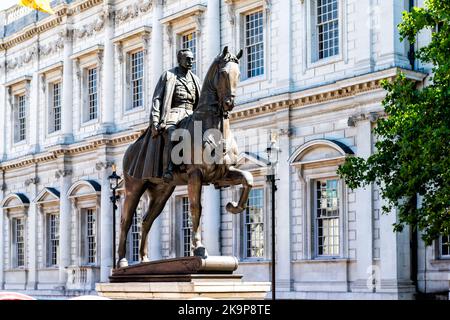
pixel 216 100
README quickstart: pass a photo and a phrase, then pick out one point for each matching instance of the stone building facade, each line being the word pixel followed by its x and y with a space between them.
pixel 76 90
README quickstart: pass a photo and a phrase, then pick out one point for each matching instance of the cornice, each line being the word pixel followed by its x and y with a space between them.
pixel 55 152
pixel 195 10
pixel 338 90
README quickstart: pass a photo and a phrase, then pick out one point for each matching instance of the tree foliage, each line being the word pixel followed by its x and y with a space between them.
pixel 413 148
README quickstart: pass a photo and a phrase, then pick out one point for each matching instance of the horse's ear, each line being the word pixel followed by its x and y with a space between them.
pixel 239 55
pixel 225 51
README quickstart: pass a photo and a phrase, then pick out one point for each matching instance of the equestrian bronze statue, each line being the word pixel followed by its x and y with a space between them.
pixel 143 171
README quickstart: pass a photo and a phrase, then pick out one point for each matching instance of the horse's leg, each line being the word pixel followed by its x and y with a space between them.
pixel 236 177
pixel 159 194
pixel 134 188
pixel 195 197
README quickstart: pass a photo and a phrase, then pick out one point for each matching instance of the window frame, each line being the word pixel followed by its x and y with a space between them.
pixel 315 219
pixel 440 245
pixel 51 119
pixel 182 244
pixel 311 47
pixel 244 224
pixel 13 254
pixel 48 240
pixel 241 14
pixel 127 87
pixel 16 118
pixel 83 238
pixel 85 118
pixel 180 46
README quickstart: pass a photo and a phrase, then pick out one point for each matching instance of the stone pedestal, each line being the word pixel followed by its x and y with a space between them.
pixel 199 287
pixel 182 278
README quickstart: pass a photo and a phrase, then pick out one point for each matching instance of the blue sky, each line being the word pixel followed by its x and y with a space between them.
pixel 5 4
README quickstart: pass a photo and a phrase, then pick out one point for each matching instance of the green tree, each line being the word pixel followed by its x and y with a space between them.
pixel 413 149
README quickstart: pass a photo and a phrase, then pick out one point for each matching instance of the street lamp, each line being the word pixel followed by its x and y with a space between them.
pixel 272 156
pixel 113 184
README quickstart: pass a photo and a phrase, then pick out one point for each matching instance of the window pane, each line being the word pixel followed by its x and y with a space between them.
pixel 136 235
pixel 186 227
pixel 327 28
pixel 56 107
pixel 254 225
pixel 327 217
pixel 92 93
pixel 53 239
pixel 445 246
pixel 21 112
pixel 19 237
pixel 189 41
pixel 137 79
pixel 91 227
pixel 254 44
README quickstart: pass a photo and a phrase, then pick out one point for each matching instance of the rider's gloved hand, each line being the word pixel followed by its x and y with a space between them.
pixel 155 130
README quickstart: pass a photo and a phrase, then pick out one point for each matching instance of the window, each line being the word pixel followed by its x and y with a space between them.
pixel 88 240
pixel 189 41
pixel 18 235
pixel 53 239
pixel 135 236
pixel 254 43
pixel 254 225
pixel 20 129
pixel 55 107
pixel 92 94
pixel 186 227
pixel 137 79
pixel 327 235
pixel 444 247
pixel 327 28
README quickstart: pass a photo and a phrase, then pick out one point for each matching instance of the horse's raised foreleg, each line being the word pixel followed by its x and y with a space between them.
pixel 195 195
pixel 236 177
pixel 134 189
pixel 159 194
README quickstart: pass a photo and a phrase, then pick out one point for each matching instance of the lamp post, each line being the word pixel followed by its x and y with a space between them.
pixel 272 156
pixel 113 184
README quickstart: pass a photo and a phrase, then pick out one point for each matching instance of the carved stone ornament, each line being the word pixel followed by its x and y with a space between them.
pixel 230 11
pixel 133 11
pixel 31 181
pixel 62 173
pixel 51 47
pixel 95 26
pixel 103 165
pixel 22 60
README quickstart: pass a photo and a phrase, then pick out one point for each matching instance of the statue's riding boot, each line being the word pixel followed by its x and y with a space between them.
pixel 168 169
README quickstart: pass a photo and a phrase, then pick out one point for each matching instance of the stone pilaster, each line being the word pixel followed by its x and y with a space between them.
pixel 2 236
pixel 106 225
pixel 107 103
pixel 283 209
pixel 67 101
pixel 65 220
pixel 211 196
pixel 364 27
pixel 3 108
pixel 31 184
pixel 364 213
pixel 284 69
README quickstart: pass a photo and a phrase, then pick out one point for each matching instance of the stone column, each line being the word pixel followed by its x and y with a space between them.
pixel 107 103
pixel 363 28
pixel 283 209
pixel 3 107
pixel 284 47
pixel 156 71
pixel 211 196
pixel 34 105
pixel 67 101
pixel 65 220
pixel 106 212
pixel 364 212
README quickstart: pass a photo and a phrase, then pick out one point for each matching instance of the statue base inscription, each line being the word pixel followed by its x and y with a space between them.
pixel 182 278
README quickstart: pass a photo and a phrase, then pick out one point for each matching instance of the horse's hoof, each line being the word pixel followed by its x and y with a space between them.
pixel 232 207
pixel 145 259
pixel 123 263
pixel 201 252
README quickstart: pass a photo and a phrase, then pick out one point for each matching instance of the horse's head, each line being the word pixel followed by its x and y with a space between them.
pixel 227 78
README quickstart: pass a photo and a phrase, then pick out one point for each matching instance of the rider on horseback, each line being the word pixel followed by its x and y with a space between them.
pixel 175 98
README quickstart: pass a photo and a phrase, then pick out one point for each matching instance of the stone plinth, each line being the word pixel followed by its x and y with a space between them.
pixel 199 287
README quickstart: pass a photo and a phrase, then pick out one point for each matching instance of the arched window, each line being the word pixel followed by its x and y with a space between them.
pixel 324 204
pixel 15 207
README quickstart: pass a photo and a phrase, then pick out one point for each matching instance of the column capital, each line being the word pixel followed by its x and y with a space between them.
pixel 230 11
pixel 370 116
pixel 29 181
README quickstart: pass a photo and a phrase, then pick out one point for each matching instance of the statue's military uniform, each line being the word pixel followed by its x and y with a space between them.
pixel 175 98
